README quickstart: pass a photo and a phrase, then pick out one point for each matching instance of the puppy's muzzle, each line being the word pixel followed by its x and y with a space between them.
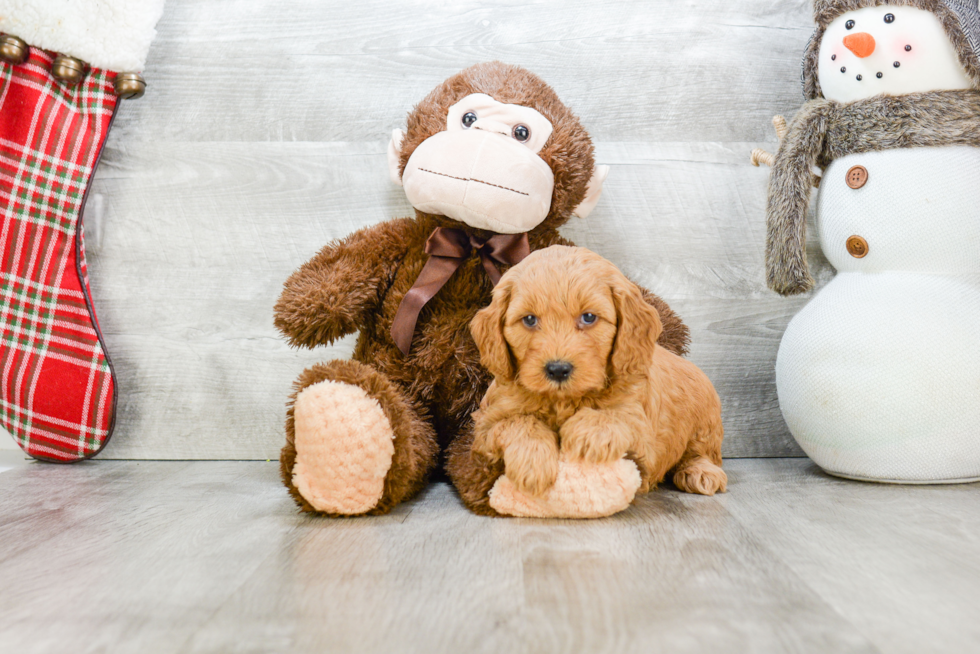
pixel 558 371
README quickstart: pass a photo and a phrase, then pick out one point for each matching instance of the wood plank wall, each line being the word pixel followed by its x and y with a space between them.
pixel 262 136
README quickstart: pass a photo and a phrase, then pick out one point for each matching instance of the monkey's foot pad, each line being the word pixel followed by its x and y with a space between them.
pixel 344 446
pixel 582 490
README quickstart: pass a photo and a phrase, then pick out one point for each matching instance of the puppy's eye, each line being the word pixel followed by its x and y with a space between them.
pixel 522 133
pixel 469 118
pixel 588 318
pixel 530 321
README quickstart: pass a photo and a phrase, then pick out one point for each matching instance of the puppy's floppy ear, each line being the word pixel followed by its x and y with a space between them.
pixel 488 332
pixel 638 327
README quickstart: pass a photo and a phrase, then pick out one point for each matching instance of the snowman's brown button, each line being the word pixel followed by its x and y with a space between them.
pixel 857 176
pixel 857 247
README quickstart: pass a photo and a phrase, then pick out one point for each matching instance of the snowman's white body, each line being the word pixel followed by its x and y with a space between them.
pixel 879 375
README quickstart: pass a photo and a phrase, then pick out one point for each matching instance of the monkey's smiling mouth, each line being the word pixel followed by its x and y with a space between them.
pixel 472 179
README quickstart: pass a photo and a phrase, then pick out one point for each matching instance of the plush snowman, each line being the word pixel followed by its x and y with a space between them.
pixel 879 375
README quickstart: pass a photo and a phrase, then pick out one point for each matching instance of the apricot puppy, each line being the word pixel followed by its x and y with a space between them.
pixel 578 373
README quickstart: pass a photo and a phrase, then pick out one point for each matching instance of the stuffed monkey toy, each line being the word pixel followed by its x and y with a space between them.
pixel 493 164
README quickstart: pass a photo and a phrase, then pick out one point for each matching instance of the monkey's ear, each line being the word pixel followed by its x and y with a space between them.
pixel 395 155
pixel 592 192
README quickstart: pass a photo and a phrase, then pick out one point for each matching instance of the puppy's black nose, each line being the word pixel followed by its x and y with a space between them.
pixel 558 371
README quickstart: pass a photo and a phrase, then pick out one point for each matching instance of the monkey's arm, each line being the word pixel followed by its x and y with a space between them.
pixel 333 293
pixel 676 336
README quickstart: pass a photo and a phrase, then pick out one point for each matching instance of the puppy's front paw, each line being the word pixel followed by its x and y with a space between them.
pixel 592 436
pixel 532 465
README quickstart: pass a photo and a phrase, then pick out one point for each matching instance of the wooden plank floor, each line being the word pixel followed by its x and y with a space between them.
pixel 212 557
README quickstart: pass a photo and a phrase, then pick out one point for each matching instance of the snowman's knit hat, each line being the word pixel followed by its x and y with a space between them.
pixel 960 19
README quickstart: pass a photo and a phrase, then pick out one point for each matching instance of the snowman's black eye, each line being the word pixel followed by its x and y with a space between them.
pixel 849 24
pixel 889 18
pixel 469 118
pixel 522 133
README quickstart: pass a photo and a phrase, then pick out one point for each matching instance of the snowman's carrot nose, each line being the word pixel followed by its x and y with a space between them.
pixel 862 44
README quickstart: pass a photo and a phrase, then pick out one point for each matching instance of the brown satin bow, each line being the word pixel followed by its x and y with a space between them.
pixel 448 248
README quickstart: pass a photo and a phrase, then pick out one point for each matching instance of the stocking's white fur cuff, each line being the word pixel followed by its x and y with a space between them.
pixel 110 34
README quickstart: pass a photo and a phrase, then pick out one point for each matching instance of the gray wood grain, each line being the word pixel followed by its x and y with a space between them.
pixel 159 557
pixel 124 557
pixel 246 70
pixel 262 137
pixel 200 237
pixel 900 562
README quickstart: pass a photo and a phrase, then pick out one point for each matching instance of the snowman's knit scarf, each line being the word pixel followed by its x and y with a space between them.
pixel 824 130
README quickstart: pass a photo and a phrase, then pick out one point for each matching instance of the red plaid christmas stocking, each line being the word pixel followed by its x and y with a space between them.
pixel 57 389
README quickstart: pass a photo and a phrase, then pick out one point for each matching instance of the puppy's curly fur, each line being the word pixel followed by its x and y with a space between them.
pixel 625 395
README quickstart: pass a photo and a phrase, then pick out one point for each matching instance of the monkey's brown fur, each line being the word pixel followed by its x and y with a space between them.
pixel 357 284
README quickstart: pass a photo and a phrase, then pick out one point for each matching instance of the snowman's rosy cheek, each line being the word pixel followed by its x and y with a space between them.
pixel 901 45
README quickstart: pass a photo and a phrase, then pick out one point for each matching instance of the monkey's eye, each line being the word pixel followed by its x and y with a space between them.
pixel 469 118
pixel 530 321
pixel 849 24
pixel 588 318
pixel 522 133
pixel 889 18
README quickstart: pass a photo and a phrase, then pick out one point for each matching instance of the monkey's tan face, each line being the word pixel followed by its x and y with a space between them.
pixel 484 170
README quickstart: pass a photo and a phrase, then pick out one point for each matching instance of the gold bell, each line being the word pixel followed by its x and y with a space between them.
pixel 129 86
pixel 13 50
pixel 68 69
